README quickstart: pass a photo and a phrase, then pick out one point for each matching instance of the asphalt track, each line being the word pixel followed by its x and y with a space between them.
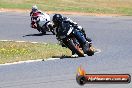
pixel 113 35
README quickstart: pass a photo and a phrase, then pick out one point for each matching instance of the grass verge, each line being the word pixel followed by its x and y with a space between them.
pixel 19 51
pixel 123 7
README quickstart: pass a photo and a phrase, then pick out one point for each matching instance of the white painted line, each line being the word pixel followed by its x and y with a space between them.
pixel 21 62
pixel 19 41
pixel 6 40
pixel 51 59
pixel 34 42
pixel 29 61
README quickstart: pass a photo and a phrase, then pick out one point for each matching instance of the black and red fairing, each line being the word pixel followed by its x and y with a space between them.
pixel 34 17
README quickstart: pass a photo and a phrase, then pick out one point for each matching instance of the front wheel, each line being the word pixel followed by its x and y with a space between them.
pixel 91 50
pixel 74 48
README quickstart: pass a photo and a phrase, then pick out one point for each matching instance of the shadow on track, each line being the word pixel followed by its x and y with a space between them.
pixel 39 34
pixel 63 57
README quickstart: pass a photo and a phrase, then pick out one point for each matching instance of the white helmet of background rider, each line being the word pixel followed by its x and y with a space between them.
pixel 34 8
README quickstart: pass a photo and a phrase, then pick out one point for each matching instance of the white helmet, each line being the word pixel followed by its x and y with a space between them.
pixel 34 8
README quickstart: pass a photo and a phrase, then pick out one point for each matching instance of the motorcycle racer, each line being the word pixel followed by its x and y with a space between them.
pixel 60 24
pixel 40 20
pixel 78 27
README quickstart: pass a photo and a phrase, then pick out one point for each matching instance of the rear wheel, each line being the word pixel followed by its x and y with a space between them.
pixel 43 31
pixel 74 48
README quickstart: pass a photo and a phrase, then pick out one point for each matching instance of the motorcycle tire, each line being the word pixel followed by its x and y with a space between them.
pixel 90 53
pixel 74 49
pixel 91 50
pixel 43 31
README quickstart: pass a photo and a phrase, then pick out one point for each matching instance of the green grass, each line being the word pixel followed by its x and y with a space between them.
pixel 88 6
pixel 14 51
